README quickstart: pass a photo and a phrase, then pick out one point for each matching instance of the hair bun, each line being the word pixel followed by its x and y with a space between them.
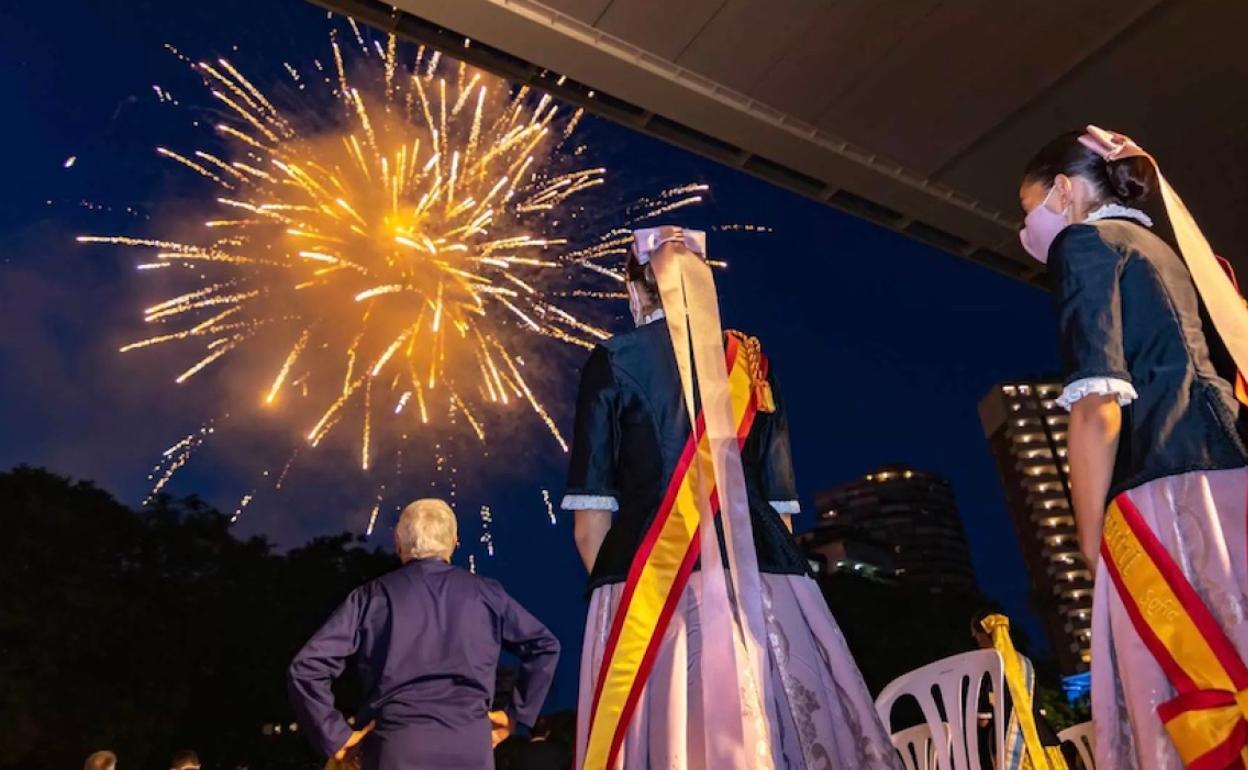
pixel 1133 179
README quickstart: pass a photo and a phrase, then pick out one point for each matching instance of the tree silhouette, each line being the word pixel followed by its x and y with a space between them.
pixel 144 632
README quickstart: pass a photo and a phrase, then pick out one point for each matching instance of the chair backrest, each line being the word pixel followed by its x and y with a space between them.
pixel 948 694
pixel 916 747
pixel 1084 739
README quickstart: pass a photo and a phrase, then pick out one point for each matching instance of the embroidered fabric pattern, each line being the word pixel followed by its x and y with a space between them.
pixel 590 503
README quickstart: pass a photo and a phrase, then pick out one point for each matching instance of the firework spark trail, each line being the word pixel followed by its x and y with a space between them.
pixel 487 537
pixel 550 508
pixel 242 504
pixel 435 204
pixel 372 519
pixel 175 457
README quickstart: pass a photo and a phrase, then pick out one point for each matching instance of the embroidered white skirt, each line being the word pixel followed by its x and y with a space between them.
pixel 821 715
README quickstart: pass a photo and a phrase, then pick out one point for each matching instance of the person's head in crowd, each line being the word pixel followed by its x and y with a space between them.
pixel 1066 181
pixel 983 639
pixel 643 289
pixel 185 760
pixel 541 729
pixel 559 727
pixel 101 760
pixel 427 529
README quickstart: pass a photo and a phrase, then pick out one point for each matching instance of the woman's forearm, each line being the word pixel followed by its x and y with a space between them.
pixel 1095 425
pixel 589 528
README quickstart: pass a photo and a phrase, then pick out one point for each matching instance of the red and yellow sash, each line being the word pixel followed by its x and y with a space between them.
pixel 661 569
pixel 1207 719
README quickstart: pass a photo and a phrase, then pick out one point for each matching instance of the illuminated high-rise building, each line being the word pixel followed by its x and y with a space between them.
pixel 1026 430
pixel 911 515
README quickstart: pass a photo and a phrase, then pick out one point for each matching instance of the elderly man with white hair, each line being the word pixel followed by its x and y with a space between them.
pixel 425 639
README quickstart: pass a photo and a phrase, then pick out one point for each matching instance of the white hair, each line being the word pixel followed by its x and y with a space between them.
pixel 427 529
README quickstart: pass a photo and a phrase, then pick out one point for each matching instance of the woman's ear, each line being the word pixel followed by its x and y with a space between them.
pixel 1063 191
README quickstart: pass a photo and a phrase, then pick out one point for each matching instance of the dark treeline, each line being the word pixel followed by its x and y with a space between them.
pixel 146 632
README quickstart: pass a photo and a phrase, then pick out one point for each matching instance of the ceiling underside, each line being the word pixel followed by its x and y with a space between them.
pixel 917 115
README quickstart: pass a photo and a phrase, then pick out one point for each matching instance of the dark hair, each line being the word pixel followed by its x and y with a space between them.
pixel 978 618
pixel 183 759
pixel 643 275
pixel 559 726
pixel 1128 181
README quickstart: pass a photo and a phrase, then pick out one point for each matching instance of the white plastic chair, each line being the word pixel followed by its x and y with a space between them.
pixel 916 747
pixel 947 692
pixel 1084 739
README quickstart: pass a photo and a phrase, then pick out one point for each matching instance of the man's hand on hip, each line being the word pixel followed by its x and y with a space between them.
pixel 351 747
pixel 501 727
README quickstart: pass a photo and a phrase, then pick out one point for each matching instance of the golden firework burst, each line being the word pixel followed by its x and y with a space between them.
pixel 392 235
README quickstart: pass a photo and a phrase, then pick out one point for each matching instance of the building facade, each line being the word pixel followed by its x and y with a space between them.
pixel 1026 430
pixel 832 549
pixel 909 514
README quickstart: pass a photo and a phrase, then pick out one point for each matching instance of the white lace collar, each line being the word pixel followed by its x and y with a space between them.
pixel 652 316
pixel 1118 211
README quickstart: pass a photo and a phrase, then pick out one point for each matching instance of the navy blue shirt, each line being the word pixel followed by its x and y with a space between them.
pixel 426 639
pixel 1127 309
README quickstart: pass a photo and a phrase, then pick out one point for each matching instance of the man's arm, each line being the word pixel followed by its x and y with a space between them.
pixel 311 675
pixel 1095 426
pixel 590 528
pixel 538 651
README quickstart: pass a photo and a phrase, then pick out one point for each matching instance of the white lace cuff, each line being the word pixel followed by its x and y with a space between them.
pixel 1097 386
pixel 590 503
pixel 786 507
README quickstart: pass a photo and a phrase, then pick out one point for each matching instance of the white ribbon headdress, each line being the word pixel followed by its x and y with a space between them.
pixel 734 714
pixel 1222 300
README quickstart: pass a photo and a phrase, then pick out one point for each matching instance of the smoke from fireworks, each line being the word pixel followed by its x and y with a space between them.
pixel 406 260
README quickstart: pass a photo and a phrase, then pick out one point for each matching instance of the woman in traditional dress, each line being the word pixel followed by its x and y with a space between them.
pixel 1157 462
pixel 632 430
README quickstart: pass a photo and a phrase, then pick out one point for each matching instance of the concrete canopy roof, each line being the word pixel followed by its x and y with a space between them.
pixel 916 114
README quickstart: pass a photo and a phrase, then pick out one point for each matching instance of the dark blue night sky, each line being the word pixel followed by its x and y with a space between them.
pixel 883 346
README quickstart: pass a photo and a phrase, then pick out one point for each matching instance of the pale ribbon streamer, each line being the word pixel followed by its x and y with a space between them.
pixel 1224 303
pixel 735 730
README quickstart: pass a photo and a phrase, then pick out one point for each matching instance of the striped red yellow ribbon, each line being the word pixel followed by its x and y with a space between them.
pixel 1207 718
pixel 657 578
